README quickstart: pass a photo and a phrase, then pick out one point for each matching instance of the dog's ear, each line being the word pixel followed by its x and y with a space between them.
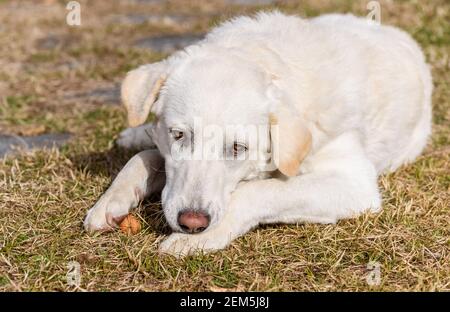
pixel 290 140
pixel 140 90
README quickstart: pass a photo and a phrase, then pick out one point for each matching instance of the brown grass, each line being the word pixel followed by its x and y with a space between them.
pixel 44 195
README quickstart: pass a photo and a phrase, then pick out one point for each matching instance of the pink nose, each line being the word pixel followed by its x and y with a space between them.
pixel 193 221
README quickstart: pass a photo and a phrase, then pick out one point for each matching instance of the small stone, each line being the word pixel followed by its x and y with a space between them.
pixel 48 43
pixel 11 144
pixel 170 20
pixel 250 2
pixel 169 43
pixel 103 95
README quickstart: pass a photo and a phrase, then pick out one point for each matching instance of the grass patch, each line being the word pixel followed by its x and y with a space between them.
pixel 44 195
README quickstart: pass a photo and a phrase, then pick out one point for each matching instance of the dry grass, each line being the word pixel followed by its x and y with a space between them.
pixel 44 195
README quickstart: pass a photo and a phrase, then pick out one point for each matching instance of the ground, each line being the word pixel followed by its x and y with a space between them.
pixel 60 79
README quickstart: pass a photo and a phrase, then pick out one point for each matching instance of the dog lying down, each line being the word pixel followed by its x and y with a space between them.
pixel 270 119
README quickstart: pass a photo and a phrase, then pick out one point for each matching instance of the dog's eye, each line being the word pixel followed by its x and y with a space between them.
pixel 176 134
pixel 238 148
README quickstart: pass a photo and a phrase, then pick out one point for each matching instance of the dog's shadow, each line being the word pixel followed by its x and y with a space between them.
pixel 108 164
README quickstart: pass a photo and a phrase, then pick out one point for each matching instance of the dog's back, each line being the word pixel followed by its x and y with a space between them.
pixel 384 84
pixel 399 93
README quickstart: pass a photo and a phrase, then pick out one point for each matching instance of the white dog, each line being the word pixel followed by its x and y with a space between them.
pixel 349 100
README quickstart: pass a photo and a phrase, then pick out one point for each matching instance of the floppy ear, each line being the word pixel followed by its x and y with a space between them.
pixel 291 140
pixel 140 90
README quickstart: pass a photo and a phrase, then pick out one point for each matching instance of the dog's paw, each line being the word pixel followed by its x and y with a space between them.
pixel 106 214
pixel 127 138
pixel 181 245
pixel 135 138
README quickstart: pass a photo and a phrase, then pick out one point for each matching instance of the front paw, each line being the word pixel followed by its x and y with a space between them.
pixel 127 138
pixel 135 138
pixel 181 245
pixel 105 215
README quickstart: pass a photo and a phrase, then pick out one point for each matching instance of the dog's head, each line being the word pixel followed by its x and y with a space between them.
pixel 219 120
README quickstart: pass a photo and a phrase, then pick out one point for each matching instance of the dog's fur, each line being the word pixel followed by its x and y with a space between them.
pixel 351 100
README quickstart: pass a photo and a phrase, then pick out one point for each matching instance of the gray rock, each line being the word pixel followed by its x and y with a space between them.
pixel 104 95
pixel 151 1
pixel 56 41
pixel 11 144
pixel 49 43
pixel 250 2
pixel 170 20
pixel 239 2
pixel 168 43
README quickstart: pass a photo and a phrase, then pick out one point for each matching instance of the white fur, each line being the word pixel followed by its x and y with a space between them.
pixel 362 91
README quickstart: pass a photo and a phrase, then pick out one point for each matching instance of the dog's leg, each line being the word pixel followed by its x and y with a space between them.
pixel 137 138
pixel 341 183
pixel 141 176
